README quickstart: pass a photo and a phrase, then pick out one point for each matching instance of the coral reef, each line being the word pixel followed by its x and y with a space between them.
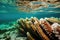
pixel 9 31
pixel 31 29
pixel 43 29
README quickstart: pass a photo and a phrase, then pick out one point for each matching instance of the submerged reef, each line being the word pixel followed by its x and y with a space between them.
pixel 9 31
pixel 31 29
pixel 40 29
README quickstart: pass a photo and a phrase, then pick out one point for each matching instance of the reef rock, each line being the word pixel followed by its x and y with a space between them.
pixel 36 29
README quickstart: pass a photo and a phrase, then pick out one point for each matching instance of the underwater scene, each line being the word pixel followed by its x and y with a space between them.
pixel 29 19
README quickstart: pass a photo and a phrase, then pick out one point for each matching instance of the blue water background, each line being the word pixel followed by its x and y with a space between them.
pixel 11 13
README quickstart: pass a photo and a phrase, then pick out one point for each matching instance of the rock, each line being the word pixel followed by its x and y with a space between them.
pixel 38 29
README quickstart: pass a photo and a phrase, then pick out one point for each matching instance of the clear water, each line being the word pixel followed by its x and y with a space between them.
pixel 10 13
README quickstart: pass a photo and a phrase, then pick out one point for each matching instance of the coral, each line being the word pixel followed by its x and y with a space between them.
pixel 36 29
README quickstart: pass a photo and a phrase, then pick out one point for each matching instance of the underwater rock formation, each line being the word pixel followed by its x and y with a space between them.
pixel 9 31
pixel 42 29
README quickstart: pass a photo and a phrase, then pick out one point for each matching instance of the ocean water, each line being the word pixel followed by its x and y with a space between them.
pixel 9 14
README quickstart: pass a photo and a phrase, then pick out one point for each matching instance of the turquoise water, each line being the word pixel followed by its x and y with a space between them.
pixel 10 13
